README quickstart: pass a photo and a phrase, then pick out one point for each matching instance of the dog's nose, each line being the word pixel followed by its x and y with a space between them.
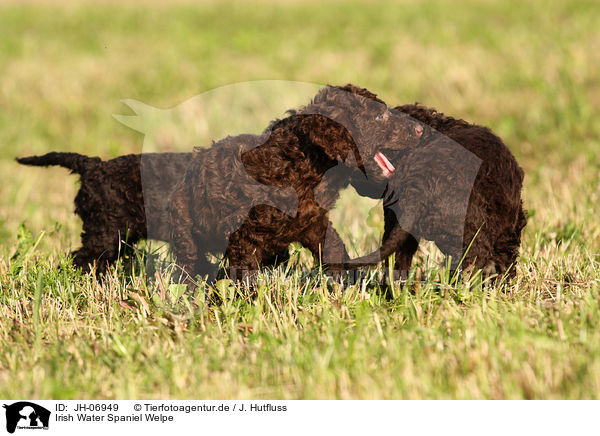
pixel 419 130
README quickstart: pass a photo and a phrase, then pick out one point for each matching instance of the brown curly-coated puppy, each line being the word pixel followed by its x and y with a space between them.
pixel 121 201
pixel 114 204
pixel 460 187
pixel 251 196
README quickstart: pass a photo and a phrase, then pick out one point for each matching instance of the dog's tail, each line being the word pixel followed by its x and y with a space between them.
pixel 77 163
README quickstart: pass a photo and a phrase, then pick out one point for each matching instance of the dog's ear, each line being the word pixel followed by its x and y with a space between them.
pixel 331 137
pixel 337 108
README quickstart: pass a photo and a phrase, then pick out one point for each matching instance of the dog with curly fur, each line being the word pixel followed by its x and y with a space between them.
pixel 461 188
pixel 113 203
pixel 126 198
pixel 221 204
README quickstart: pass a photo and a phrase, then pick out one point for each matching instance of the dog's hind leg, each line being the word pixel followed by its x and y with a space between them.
pixel 85 258
pixel 506 249
pixel 102 249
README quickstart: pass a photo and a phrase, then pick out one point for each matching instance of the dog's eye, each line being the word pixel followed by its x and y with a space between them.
pixel 383 116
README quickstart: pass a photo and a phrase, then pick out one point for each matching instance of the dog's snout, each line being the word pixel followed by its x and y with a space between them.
pixel 418 130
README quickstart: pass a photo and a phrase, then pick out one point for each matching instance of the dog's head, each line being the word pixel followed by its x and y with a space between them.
pixel 379 135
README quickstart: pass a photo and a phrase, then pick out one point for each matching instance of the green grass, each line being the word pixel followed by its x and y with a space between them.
pixel 528 70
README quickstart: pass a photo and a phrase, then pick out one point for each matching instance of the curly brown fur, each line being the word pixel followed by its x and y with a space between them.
pixel 125 198
pixel 222 203
pixel 494 216
pixel 113 203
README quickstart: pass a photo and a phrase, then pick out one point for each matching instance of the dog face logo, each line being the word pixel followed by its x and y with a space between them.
pixel 26 415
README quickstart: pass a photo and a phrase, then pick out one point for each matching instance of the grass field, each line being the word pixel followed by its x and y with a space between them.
pixel 529 70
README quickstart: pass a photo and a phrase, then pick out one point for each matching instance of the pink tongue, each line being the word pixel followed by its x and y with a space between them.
pixel 386 166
